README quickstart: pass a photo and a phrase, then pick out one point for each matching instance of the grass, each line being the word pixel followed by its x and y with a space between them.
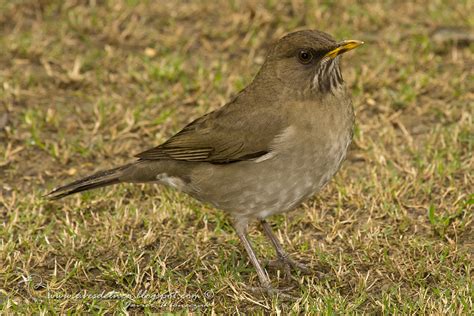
pixel 87 84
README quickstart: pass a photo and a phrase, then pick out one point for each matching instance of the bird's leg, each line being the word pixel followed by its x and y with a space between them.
pixel 241 229
pixel 282 256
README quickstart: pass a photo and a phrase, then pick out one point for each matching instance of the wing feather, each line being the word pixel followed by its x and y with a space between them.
pixel 226 135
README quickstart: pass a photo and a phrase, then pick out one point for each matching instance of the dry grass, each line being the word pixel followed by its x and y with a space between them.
pixel 87 84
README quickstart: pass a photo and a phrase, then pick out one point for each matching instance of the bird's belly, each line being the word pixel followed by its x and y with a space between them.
pixel 275 185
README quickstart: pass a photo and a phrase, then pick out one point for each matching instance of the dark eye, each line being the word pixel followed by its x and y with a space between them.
pixel 305 56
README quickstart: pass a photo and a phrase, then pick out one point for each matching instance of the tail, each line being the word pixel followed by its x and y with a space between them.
pixel 97 180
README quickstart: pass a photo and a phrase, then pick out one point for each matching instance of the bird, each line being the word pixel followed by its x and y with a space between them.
pixel 274 145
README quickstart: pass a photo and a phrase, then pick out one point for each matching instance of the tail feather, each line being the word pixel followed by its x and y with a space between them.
pixel 94 181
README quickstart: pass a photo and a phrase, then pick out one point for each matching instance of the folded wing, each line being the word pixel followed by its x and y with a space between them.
pixel 226 135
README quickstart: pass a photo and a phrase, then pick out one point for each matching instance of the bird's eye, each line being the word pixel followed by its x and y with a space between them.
pixel 305 56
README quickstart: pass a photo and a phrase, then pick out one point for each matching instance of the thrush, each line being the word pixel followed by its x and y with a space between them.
pixel 278 142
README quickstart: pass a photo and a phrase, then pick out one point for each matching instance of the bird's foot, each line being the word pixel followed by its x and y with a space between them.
pixel 286 264
pixel 272 292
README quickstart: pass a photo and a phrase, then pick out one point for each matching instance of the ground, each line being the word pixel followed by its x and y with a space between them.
pixel 86 85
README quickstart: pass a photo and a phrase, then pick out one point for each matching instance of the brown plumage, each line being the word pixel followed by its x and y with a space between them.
pixel 278 142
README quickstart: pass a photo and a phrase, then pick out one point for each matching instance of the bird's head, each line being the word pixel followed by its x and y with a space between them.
pixel 308 60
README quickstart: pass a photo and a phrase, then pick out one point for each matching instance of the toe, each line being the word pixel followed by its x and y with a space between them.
pixel 273 292
pixel 299 266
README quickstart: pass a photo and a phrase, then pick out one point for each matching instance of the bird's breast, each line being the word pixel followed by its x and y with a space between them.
pixel 302 159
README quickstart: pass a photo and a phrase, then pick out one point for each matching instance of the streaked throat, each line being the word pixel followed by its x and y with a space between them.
pixel 328 77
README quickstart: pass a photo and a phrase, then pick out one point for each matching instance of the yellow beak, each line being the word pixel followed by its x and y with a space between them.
pixel 343 47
